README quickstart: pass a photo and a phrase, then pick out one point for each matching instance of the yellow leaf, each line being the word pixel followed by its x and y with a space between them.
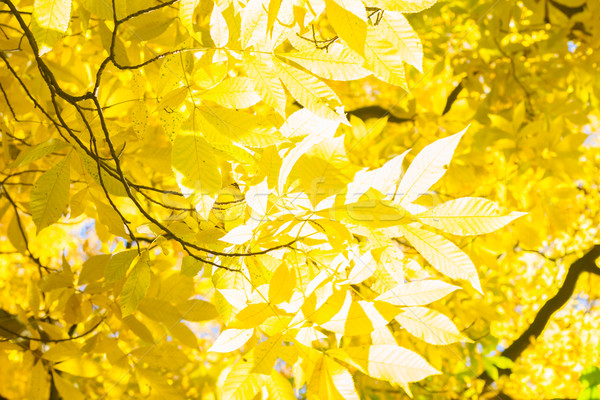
pixel 282 284
pixel 139 119
pixel 197 310
pixel 65 388
pixel 430 326
pixel 266 82
pixel 442 254
pixel 79 367
pixel 310 92
pixel 383 59
pixel 93 268
pixel 404 6
pixel 337 62
pixel 160 310
pixel 349 19
pixel 186 16
pixel 398 32
pixel 113 185
pixel 241 383
pixel 138 328
pixel 196 169
pixel 109 217
pixel 184 334
pixel 323 170
pixel 50 194
pixel 231 339
pixel 136 285
pixel 294 155
pixel 39 382
pixel 467 216
pixel 279 387
pixel 265 354
pixel 252 316
pixel 224 126
pixel 237 92
pixel 15 235
pixel 329 380
pixel 50 21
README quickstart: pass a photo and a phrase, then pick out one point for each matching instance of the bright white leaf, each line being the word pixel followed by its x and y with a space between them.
pixel 427 168
pixel 417 293
pixel 387 362
pixel 231 339
pixel 238 235
pixel 430 326
pixel 219 32
pixel 254 22
pixel 467 216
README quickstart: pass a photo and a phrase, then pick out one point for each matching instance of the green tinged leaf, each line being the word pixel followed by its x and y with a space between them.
pixel 50 194
pixel 38 151
pixel 113 185
pixel 118 265
pixel 136 285
pixel 93 268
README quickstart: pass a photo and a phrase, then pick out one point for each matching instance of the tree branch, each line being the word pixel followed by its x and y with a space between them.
pixel 378 112
pixel 587 263
pixel 453 97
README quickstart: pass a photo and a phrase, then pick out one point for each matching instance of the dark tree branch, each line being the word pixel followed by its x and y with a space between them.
pixel 453 97
pixel 566 10
pixel 587 263
pixel 378 112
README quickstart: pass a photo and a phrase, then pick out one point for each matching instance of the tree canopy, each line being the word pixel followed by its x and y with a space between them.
pixel 321 199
